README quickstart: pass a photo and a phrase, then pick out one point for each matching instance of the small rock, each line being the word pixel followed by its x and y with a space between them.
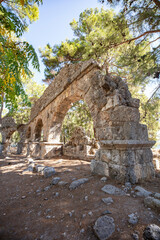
pixel 38 168
pixel 108 200
pixel 106 212
pixel 157 195
pixel 86 198
pixel 48 217
pixel 57 194
pixel 103 179
pixel 133 218
pixel 55 180
pixel 82 230
pixel 152 202
pixel 104 227
pixel 77 183
pixel 38 190
pixel 128 185
pixel 151 232
pixel 92 192
pixel 62 183
pixel 141 192
pixel 47 188
pixel 110 189
pixel 90 213
pixel 48 172
pixel 23 197
pixel 135 236
pixel 46 198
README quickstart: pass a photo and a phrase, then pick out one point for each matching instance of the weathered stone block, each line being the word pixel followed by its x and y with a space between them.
pixel 99 167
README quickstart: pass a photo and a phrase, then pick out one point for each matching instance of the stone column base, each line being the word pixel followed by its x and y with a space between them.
pixel 124 160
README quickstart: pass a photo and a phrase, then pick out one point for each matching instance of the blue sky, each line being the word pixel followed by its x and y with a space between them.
pixel 53 24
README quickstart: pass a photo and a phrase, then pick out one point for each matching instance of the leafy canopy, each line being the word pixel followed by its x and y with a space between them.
pixel 15 55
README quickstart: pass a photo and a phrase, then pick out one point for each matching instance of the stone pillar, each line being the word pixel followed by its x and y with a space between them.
pixel 19 147
pixel 124 152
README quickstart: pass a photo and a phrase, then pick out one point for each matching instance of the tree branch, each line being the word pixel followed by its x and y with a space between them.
pixel 157 2
pixel 133 39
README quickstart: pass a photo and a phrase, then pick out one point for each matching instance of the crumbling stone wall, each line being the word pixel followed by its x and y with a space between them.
pixel 124 152
pixel 80 145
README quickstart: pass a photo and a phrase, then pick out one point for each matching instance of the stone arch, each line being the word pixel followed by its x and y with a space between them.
pixel 124 146
pixel 38 130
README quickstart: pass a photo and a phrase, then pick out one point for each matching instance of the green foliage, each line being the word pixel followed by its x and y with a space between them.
pixel 34 91
pixel 15 138
pixel 15 55
pixel 78 115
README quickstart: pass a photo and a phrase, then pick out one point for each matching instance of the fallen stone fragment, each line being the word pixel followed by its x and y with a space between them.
pixel 103 179
pixel 108 200
pixel 152 202
pixel 106 212
pixel 90 213
pixel 110 189
pixel 77 183
pixel 151 232
pixel 104 227
pixel 38 168
pixel 62 183
pixel 47 188
pixel 29 169
pixel 141 192
pixel 157 195
pixel 48 172
pixel 23 197
pixel 135 236
pixel 133 218
pixel 128 185
pixel 55 180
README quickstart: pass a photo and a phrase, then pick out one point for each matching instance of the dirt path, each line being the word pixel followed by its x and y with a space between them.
pixel 28 212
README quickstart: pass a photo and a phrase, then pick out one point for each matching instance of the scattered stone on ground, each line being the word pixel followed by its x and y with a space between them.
pixel 152 232
pixel 141 192
pixel 106 212
pixel 55 180
pixel 62 183
pixel 77 183
pixel 135 236
pixel 157 195
pixel 133 218
pixel 110 189
pixel 104 227
pixel 108 200
pixel 103 179
pixel 48 172
pixel 152 202
pixel 47 188
pixel 128 185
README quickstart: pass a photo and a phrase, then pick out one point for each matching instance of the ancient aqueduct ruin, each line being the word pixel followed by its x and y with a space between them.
pixel 125 151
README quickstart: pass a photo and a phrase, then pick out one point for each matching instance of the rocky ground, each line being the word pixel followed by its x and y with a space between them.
pixel 37 207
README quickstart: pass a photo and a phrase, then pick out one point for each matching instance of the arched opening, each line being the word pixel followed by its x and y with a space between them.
pixel 77 132
pixel 77 116
pixel 14 140
pixel 39 131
